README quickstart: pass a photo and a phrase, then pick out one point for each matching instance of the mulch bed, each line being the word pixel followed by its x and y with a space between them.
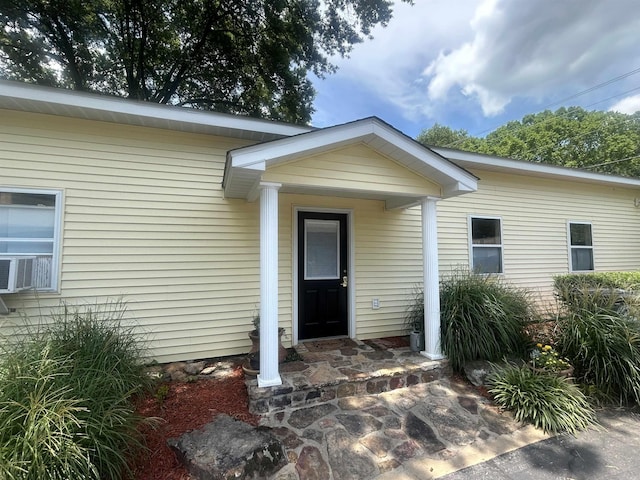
pixel 185 407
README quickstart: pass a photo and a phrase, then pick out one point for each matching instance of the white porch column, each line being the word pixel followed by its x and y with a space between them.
pixel 431 280
pixel 269 375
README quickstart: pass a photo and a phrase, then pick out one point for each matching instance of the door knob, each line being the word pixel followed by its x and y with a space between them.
pixel 344 282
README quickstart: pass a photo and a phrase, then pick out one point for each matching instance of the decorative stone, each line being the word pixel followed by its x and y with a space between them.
pixel 347 463
pixel 280 402
pixel 194 368
pixel 208 370
pixel 357 403
pixel 228 448
pixel 377 386
pixel 378 411
pixel 499 423
pixel 405 450
pixel 469 404
pixel 378 444
pixel 455 426
pixel 396 382
pixel 346 390
pixel 313 434
pixel 392 422
pixel 311 465
pixel 378 354
pixel 388 465
pixel 477 371
pixel 422 433
pixel 288 438
pixel 359 425
pixel 304 417
pixel 328 394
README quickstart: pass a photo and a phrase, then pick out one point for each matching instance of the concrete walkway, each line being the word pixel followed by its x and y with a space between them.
pixel 610 453
pixel 420 432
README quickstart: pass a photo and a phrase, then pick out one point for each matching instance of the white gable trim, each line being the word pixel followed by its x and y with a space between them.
pixel 246 165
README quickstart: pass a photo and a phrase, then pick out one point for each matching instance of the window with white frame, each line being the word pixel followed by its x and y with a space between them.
pixel 29 227
pixel 486 244
pixel 580 247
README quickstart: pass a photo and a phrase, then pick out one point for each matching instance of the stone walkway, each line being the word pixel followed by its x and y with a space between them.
pixel 418 432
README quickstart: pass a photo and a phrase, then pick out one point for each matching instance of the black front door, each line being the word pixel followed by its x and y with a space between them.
pixel 322 275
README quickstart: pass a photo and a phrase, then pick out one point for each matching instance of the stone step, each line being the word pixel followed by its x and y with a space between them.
pixel 322 377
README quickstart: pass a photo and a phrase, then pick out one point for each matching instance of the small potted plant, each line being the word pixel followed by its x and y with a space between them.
pixel 254 335
pixel 545 358
pixel 414 321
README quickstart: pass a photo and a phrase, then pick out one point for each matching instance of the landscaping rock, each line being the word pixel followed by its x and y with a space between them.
pixel 228 448
pixel 477 371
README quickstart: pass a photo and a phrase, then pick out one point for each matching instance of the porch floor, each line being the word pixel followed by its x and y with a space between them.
pixel 341 368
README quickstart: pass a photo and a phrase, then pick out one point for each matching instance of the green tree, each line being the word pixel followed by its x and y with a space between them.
pixel 443 136
pixel 241 56
pixel 605 142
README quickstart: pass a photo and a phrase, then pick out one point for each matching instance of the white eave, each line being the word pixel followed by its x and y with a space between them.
pixel 478 161
pixel 93 106
pixel 246 165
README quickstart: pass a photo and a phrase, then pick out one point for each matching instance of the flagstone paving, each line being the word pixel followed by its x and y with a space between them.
pixel 417 432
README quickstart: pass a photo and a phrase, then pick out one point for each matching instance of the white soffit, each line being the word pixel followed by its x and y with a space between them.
pixel 522 167
pixel 93 106
pixel 246 165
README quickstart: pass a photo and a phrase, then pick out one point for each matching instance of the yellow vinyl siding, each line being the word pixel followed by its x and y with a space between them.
pixel 356 168
pixel 535 213
pixel 145 219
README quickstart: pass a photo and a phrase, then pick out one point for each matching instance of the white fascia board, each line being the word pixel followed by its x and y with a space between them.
pixel 438 162
pixel 350 133
pixel 478 160
pixel 306 143
pixel 57 101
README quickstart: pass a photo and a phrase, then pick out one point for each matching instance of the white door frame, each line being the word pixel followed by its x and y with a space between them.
pixel 351 288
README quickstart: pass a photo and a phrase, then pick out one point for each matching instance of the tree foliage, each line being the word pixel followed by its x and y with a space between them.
pixel 241 56
pixel 605 142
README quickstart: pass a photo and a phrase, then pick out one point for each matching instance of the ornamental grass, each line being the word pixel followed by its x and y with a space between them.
pixel 66 397
pixel 482 318
pixel 545 400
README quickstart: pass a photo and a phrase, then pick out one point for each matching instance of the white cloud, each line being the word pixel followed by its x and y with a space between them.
pixel 529 48
pixel 390 65
pixel 627 105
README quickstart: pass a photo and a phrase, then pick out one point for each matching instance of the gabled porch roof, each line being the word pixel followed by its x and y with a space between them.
pixel 245 166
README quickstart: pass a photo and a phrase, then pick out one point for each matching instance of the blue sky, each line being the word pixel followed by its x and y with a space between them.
pixel 476 64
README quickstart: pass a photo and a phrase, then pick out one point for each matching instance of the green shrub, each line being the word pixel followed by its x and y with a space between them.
pixel 481 318
pixel 65 397
pixel 604 348
pixel 547 401
pixel 612 291
pixel 414 315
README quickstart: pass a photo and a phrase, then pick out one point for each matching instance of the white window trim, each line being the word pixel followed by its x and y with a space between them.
pixel 471 245
pixel 570 247
pixel 57 229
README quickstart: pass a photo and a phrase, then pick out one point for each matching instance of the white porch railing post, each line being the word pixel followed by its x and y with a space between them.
pixel 269 375
pixel 431 285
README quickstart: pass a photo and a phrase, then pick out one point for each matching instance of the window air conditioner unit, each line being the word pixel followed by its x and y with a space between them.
pixel 16 273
